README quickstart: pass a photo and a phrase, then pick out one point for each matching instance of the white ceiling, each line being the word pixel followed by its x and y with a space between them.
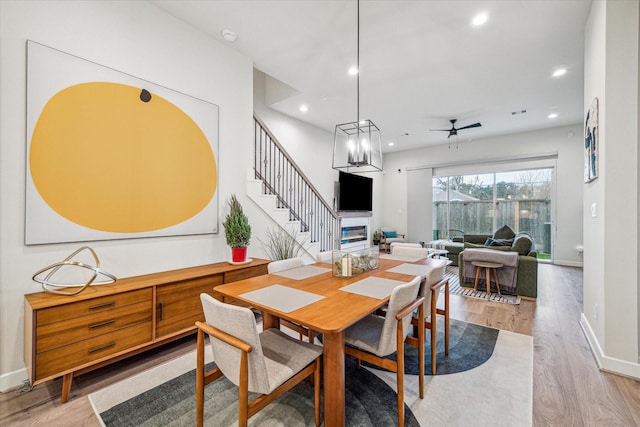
pixel 422 62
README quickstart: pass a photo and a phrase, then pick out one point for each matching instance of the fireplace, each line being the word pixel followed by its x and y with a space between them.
pixel 354 232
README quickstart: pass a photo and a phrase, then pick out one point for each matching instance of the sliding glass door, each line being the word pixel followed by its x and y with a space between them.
pixel 481 203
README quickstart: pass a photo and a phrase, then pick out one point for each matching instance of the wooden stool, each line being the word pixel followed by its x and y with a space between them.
pixel 488 266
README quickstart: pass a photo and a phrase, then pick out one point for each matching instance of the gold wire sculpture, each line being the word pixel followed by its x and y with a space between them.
pixel 55 288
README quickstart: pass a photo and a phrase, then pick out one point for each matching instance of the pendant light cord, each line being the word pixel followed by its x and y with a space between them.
pixel 358 68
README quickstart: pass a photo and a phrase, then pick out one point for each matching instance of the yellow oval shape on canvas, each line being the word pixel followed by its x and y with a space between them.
pixel 117 158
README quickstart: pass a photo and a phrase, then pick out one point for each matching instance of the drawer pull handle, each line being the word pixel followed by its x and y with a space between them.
pixel 102 347
pixel 161 306
pixel 106 322
pixel 106 304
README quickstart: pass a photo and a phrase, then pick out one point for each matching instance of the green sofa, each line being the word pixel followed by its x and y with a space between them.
pixel 527 277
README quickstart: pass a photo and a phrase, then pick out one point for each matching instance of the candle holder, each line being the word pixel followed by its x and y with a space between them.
pixel 354 262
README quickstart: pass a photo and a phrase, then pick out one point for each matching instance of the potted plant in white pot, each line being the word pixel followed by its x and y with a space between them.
pixel 237 231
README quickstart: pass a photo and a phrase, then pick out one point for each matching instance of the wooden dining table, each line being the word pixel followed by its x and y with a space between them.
pixel 330 316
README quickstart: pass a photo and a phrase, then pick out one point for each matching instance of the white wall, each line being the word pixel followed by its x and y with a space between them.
pixel 568 208
pixel 311 148
pixel 611 287
pixel 135 38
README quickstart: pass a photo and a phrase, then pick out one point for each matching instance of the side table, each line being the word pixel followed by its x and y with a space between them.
pixel 488 266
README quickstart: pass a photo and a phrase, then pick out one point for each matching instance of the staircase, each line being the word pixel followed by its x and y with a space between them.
pixel 278 186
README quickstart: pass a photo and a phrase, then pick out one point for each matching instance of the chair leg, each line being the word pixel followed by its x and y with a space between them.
pixel 400 375
pixel 433 336
pixel 316 391
pixel 446 318
pixel 243 392
pixel 200 379
pixel 475 286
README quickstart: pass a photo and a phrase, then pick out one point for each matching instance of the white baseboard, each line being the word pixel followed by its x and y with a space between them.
pixel 12 380
pixel 606 363
pixel 568 263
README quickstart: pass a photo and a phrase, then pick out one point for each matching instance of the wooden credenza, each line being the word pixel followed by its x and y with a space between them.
pixel 69 335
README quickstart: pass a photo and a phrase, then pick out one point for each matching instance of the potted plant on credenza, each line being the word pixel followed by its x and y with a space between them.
pixel 237 231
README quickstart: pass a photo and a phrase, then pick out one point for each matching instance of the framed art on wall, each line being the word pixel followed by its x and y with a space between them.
pixel 591 142
pixel 112 156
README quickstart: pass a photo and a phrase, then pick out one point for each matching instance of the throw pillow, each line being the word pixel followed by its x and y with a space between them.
pixel 522 244
pixel 390 234
pixel 501 242
pixel 488 241
pixel 504 232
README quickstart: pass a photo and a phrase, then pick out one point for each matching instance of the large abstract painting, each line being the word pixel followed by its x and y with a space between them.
pixel 111 156
pixel 591 143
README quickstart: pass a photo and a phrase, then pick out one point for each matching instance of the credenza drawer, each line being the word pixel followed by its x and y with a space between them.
pixel 65 332
pixel 92 306
pixel 71 356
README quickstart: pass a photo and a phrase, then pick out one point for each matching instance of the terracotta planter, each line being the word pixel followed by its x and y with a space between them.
pixel 238 254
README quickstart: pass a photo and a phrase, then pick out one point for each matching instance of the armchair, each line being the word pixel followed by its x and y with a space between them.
pixel 390 235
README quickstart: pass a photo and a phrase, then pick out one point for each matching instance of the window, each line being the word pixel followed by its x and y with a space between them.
pixel 481 203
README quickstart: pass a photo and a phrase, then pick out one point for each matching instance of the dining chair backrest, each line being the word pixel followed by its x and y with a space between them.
pixel 404 244
pixel 410 252
pixel 284 264
pixel 240 323
pixel 325 256
pixel 435 274
pixel 401 296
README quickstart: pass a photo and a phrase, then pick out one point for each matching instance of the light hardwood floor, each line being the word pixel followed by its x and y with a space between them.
pixel 568 388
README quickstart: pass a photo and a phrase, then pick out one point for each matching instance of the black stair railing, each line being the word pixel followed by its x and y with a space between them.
pixel 281 177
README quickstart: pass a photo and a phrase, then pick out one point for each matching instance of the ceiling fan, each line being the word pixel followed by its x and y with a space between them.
pixel 454 131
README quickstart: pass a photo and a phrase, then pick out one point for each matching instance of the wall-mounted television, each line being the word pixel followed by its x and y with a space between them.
pixel 355 192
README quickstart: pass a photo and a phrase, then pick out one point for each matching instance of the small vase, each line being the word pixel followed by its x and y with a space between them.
pixel 238 254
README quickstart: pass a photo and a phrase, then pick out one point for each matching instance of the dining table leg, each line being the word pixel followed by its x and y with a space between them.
pixel 334 400
pixel 270 321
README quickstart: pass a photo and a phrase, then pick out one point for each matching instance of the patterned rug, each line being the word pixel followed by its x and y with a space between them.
pixel 164 395
pixel 455 288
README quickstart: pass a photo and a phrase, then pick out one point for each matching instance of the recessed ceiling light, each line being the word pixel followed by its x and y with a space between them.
pixel 553 115
pixel 479 19
pixel 391 144
pixel 353 71
pixel 559 72
pixel 304 108
pixel 229 35
pixel 324 98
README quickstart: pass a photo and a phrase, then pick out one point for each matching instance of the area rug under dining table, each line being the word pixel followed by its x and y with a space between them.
pixel 485 380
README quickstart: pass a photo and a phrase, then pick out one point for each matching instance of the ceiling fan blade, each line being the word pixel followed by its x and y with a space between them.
pixel 475 125
pixel 440 130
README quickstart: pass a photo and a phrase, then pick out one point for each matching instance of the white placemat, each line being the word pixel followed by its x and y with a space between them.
pixel 282 298
pixel 401 258
pixel 373 287
pixel 411 269
pixel 301 273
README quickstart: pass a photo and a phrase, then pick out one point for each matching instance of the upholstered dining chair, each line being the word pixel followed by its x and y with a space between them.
pixel 325 257
pixel 269 363
pixel 408 245
pixel 374 337
pixel 410 252
pixel 284 264
pixel 287 264
pixel 430 290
